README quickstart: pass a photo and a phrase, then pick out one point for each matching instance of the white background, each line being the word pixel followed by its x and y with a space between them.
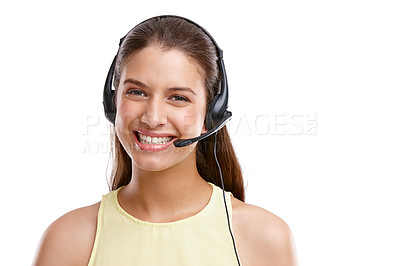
pixel 312 89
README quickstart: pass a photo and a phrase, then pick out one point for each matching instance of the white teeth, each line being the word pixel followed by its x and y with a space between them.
pixel 155 140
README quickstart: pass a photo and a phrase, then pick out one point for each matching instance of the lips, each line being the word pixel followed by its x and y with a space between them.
pixel 152 141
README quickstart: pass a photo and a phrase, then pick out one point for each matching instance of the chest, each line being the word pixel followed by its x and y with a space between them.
pixel 203 239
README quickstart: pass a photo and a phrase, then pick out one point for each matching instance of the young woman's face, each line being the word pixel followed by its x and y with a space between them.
pixel 160 98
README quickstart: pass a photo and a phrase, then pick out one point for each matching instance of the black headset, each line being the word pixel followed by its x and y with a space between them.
pixel 217 114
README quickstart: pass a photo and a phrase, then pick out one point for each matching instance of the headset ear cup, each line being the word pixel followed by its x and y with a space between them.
pixel 109 107
pixel 211 119
pixel 108 94
pixel 219 104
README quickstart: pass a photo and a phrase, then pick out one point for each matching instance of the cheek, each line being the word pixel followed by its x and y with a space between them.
pixel 124 120
pixel 126 115
pixel 188 122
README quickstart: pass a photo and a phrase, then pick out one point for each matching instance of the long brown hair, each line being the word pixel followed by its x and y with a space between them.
pixel 176 33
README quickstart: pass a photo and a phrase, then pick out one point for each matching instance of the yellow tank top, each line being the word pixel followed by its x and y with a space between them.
pixel 200 240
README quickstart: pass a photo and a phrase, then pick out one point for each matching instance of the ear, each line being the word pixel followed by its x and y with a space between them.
pixel 204 130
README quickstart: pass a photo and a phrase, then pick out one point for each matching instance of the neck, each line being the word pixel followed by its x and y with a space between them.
pixel 171 194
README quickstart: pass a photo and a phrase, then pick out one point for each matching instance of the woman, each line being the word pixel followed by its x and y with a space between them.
pixel 166 206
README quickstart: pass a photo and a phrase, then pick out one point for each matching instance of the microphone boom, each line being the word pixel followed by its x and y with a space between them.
pixel 185 142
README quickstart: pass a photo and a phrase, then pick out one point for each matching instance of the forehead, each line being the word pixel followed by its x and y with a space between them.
pixel 159 68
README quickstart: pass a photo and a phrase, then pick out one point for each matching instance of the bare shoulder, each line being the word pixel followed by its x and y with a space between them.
pixel 69 239
pixel 263 238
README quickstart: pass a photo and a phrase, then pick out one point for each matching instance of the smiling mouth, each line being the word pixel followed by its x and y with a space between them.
pixel 152 140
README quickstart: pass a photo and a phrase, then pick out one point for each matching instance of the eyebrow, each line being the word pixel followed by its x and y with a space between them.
pixel 182 89
pixel 135 82
pixel 141 84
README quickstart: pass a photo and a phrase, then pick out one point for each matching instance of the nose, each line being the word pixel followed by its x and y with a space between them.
pixel 154 114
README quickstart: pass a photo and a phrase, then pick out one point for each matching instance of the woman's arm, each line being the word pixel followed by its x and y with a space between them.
pixel 69 239
pixel 262 237
pixel 276 241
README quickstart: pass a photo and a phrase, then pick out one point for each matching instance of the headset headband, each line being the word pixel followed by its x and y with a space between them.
pixel 217 110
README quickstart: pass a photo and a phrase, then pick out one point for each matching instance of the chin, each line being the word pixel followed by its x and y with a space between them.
pixel 159 161
pixel 151 164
